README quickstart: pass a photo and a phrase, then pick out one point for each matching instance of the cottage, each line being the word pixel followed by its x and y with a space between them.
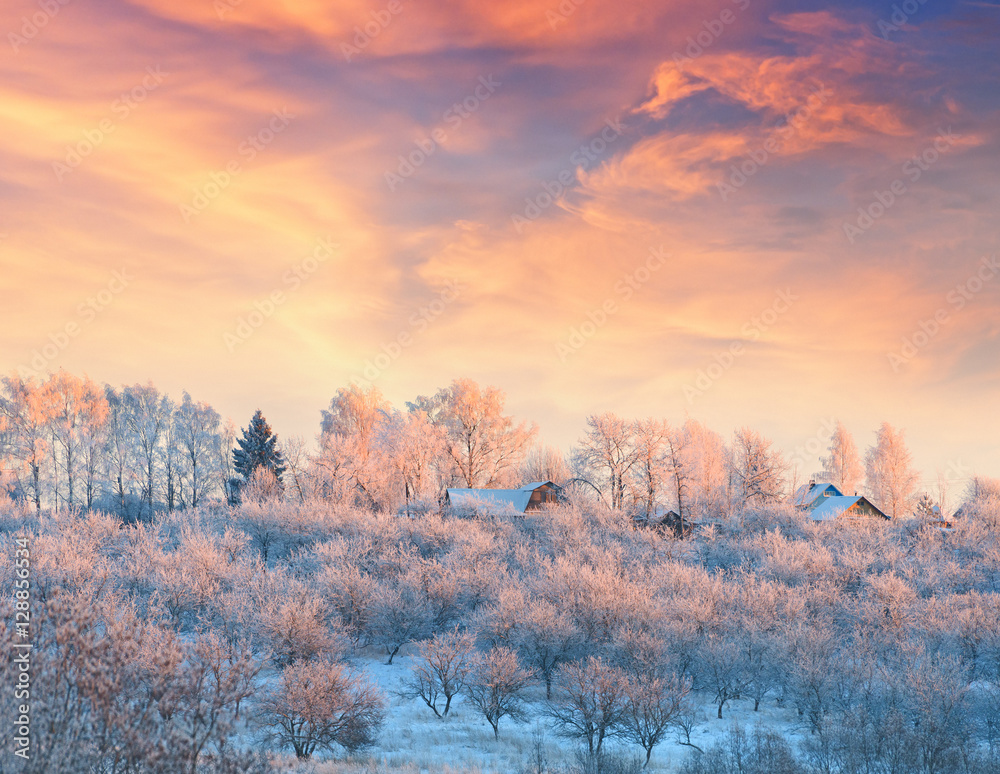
pixel 530 497
pixel 857 507
pixel 824 502
pixel 809 495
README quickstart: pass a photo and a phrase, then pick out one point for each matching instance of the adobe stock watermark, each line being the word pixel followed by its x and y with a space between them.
pixel 819 442
pixel 956 299
pixel 32 25
pixel 581 159
pixel 561 14
pixel 363 36
pixel 219 181
pixel 901 15
pixel 428 145
pixel 86 312
pixel 624 289
pixel 417 323
pixel 751 330
pixel 711 32
pixel 291 280
pixel 121 109
pixel 913 169
pixel 225 7
pixel 756 159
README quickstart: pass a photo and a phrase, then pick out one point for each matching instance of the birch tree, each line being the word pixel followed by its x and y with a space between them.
pixel 758 468
pixel 25 413
pixel 843 467
pixel 484 445
pixel 608 451
pixel 890 478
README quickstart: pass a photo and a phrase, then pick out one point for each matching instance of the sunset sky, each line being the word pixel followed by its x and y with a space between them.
pixel 650 208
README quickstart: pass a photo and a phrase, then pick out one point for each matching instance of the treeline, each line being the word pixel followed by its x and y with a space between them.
pixel 66 442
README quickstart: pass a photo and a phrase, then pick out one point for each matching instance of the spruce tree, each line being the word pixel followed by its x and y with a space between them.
pixel 258 448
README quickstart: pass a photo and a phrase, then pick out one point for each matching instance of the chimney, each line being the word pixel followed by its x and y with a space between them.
pixel 812 483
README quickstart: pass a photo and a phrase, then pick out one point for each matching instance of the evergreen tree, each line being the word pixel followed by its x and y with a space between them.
pixel 258 449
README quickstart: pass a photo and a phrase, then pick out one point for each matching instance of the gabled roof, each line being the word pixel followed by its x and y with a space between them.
pixel 515 499
pixel 834 507
pixel 535 484
pixel 808 494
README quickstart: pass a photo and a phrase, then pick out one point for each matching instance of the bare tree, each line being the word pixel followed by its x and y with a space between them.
pixel 400 614
pixel 320 705
pixel 485 446
pixel 758 468
pixel 211 682
pixel 147 416
pixel 440 670
pixel 545 463
pixel 721 668
pixel 496 687
pixel 589 702
pixel 198 435
pixel 843 467
pixel 546 637
pixel 706 460
pixel 80 415
pixel 608 449
pixel 652 439
pixel 25 413
pixel 891 480
pixel 652 707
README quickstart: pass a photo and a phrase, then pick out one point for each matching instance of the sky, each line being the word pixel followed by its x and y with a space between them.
pixel 749 212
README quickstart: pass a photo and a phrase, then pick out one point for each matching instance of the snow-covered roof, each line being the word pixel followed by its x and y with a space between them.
pixel 807 494
pixel 834 507
pixel 516 499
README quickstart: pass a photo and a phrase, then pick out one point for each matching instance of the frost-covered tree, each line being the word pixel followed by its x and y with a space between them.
pixel 496 686
pixel 705 459
pixel 589 702
pixel 26 410
pixel 842 467
pixel 925 507
pixel 77 425
pixel 349 434
pixel 198 437
pixel 983 488
pixel 545 463
pixel 147 415
pixel 485 446
pixel 653 706
pixel 258 449
pixel 608 453
pixel 321 705
pixel 652 440
pixel 409 451
pixel 758 468
pixel 890 477
pixel 439 672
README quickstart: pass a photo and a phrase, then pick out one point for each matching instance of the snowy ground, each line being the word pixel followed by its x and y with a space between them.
pixel 414 740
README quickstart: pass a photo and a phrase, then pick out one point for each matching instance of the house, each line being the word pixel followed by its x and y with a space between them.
pixel 824 502
pixel 809 495
pixel 841 507
pixel 530 497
